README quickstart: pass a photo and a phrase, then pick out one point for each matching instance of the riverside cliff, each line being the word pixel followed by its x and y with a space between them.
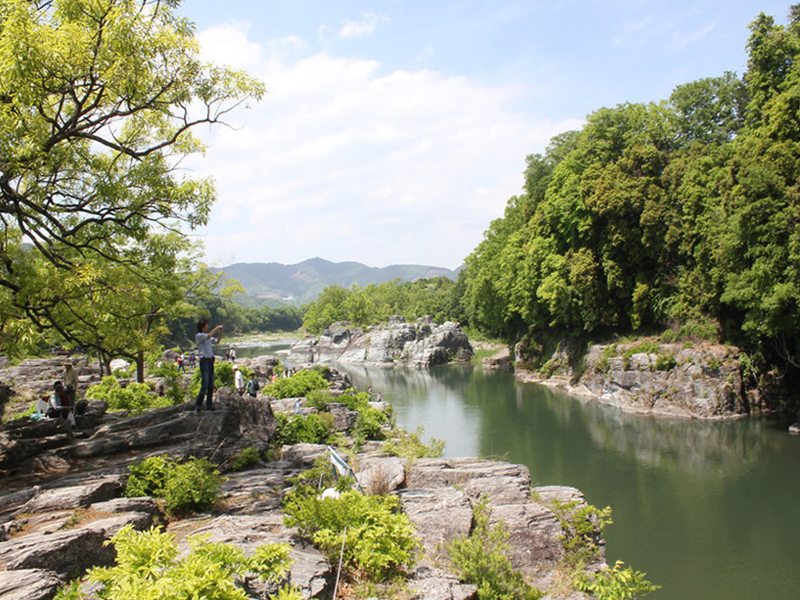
pixel 422 344
pixel 703 381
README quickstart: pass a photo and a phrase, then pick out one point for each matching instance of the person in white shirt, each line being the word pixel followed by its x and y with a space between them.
pixel 238 380
pixel 206 340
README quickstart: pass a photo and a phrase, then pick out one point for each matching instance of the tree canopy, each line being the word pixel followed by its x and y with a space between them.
pixel 98 103
pixel 682 214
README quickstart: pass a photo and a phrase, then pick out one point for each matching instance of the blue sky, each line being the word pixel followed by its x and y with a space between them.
pixel 394 131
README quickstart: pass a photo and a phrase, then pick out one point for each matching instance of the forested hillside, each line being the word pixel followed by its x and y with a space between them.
pixel 303 282
pixel 682 215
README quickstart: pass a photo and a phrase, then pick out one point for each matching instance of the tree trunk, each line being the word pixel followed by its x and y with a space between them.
pixel 140 366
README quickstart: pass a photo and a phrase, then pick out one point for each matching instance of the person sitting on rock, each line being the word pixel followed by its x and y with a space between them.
pixel 59 404
pixel 42 406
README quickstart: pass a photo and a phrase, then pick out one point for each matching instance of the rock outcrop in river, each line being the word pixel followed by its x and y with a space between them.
pixel 649 377
pixel 61 497
pixel 421 344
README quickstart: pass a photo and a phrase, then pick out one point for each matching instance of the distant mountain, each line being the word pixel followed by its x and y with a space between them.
pixel 300 283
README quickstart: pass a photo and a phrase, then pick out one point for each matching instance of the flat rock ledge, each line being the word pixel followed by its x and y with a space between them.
pixel 56 515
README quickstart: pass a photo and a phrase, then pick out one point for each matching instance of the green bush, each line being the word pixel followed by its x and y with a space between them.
pixel 149 477
pixel 410 446
pixel 296 386
pixel 173 381
pixel 135 397
pixel 582 528
pixel 149 566
pixel 369 425
pixel 378 540
pixel 244 458
pixel 319 399
pixel 315 428
pixel 186 487
pixel 482 559
pixel 666 362
pixel 616 583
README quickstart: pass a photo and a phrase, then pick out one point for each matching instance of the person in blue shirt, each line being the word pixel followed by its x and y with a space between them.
pixel 206 340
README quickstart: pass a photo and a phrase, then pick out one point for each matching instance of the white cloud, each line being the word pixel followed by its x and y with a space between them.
pixel 363 28
pixel 344 162
pixel 227 44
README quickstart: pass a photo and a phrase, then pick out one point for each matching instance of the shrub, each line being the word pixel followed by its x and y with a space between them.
pixel 296 386
pixel 319 399
pixel 369 425
pixel 173 380
pixel 616 583
pixel 135 397
pixel 149 477
pixel 311 429
pixel 378 540
pixel 666 362
pixel 186 487
pixel 482 559
pixel 581 528
pixel 409 446
pixel 149 566
pixel 192 486
pixel 244 458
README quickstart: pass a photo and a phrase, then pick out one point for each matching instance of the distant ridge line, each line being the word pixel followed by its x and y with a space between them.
pixel 276 283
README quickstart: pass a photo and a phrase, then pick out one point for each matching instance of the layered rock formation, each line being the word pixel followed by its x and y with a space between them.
pixel 421 344
pixel 668 379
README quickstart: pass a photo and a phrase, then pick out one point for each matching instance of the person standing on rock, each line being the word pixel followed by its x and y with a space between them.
pixel 253 386
pixel 71 382
pixel 206 340
pixel 238 381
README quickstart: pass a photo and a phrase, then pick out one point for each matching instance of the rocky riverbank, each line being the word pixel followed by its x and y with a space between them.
pixel 421 344
pixel 703 381
pixel 62 499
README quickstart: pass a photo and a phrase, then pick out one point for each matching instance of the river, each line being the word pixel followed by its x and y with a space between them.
pixel 709 510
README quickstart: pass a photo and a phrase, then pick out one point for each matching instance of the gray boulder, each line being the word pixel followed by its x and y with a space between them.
pixel 29 584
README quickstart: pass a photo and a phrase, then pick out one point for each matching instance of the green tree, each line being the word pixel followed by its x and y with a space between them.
pixel 98 102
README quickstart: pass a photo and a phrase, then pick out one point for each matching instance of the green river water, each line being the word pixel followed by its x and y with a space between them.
pixel 709 510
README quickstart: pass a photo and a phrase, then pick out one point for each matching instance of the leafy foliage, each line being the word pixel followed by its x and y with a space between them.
pixel 135 397
pixel 186 487
pixel 616 583
pixel 378 540
pixel 410 446
pixel 94 120
pixel 482 559
pixel 315 428
pixel 149 567
pixel 374 304
pixel 296 386
pixel 582 528
pixel 675 215
pixel 244 458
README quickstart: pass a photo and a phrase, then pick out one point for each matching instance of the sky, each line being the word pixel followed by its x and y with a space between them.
pixel 395 131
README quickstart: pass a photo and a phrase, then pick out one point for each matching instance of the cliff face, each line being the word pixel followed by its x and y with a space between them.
pixel 647 377
pixel 421 344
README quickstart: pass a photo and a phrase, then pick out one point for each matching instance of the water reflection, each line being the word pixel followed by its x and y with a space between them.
pixel 709 510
